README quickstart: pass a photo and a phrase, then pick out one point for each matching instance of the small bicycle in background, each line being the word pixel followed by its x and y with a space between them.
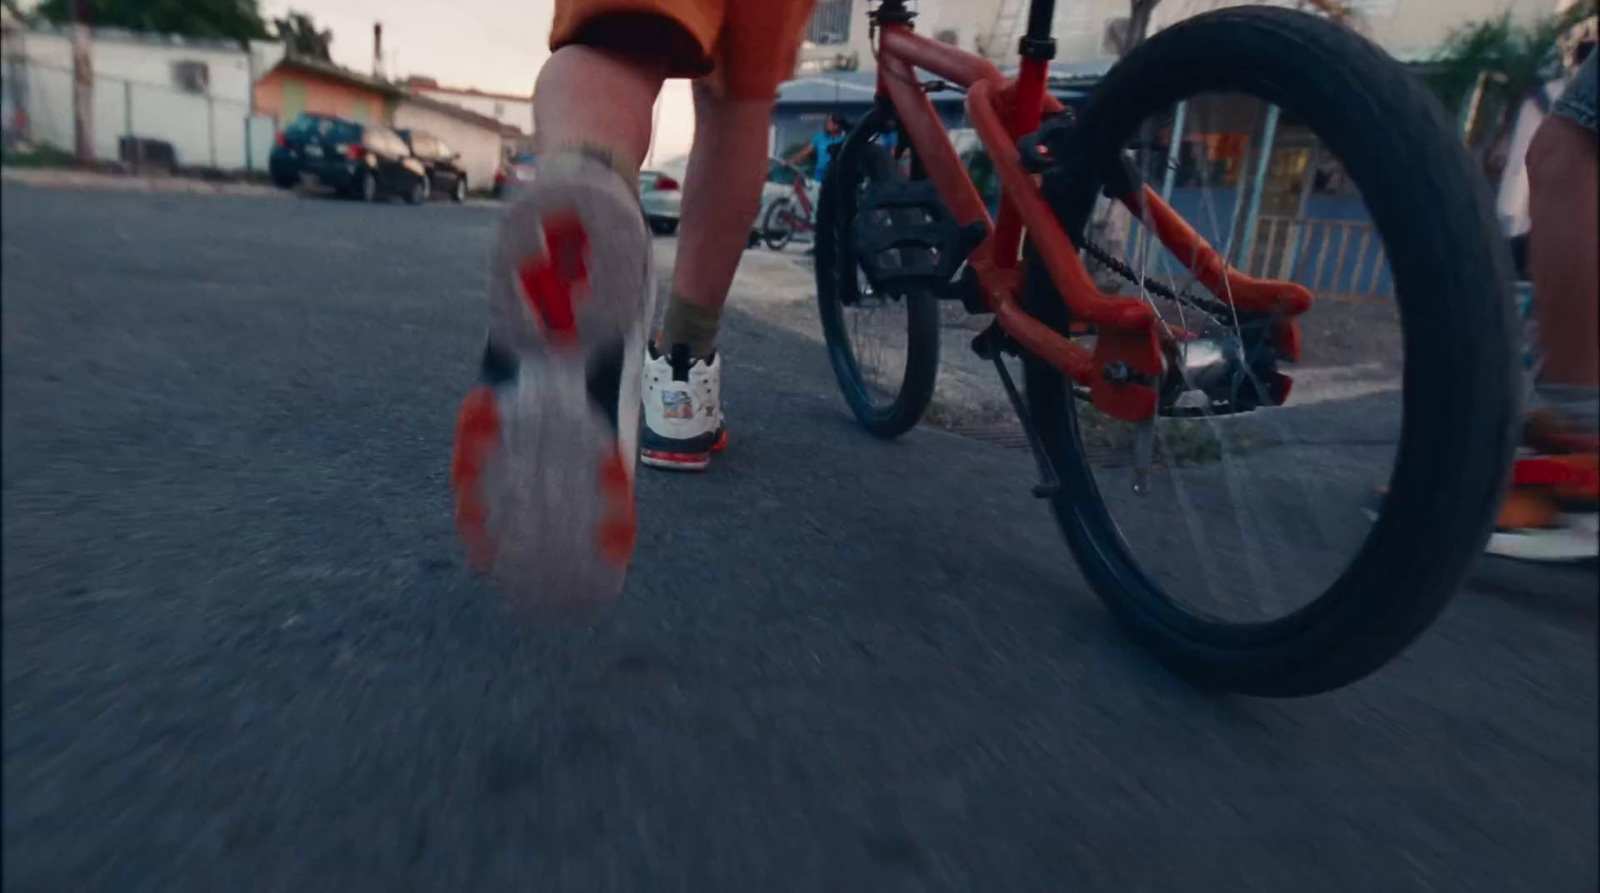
pixel 1313 301
pixel 788 215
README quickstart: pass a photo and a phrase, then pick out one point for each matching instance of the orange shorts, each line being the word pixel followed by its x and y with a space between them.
pixel 743 48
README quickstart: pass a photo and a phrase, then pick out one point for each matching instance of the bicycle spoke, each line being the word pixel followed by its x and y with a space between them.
pixel 1236 519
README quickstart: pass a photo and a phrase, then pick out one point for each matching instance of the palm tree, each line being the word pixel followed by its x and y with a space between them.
pixel 1114 220
pixel 301 39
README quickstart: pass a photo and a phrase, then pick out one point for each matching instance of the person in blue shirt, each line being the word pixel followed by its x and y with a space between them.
pixel 821 145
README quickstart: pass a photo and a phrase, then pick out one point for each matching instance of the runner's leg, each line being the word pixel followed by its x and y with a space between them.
pixel 546 444
pixel 721 197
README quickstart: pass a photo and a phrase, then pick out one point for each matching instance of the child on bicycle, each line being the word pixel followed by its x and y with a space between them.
pixel 546 445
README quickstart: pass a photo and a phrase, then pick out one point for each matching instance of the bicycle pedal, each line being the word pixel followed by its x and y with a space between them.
pixel 904 236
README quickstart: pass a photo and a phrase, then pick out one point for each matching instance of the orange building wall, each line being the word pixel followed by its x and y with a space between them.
pixel 288 93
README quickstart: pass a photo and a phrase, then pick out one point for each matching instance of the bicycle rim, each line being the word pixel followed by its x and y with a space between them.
pixel 1288 548
pixel 884 345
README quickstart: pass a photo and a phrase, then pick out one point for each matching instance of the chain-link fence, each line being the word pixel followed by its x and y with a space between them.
pixel 136 121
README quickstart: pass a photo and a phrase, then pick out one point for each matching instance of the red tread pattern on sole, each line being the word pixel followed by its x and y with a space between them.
pixel 477 432
pixel 550 280
pixel 619 530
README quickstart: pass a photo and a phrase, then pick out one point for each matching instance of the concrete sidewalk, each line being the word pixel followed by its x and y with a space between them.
pixel 1344 343
pixel 778 287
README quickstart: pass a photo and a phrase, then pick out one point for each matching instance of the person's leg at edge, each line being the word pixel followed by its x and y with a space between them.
pixel 1542 519
pixel 1563 160
pixel 545 446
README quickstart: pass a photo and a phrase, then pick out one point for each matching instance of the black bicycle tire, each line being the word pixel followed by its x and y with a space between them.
pixel 766 228
pixel 1459 398
pixel 836 271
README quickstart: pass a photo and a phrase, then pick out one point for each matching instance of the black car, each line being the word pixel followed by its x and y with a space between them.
pixel 364 161
pixel 445 176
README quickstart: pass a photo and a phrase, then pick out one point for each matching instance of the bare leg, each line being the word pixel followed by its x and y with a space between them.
pixel 1562 161
pixel 569 118
pixel 721 197
pixel 1563 243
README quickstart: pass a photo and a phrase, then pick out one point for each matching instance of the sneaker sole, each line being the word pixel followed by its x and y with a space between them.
pixel 542 473
pixel 671 461
pixel 558 542
pixel 571 268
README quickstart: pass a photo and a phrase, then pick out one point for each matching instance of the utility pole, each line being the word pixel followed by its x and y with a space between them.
pixel 377 50
pixel 82 84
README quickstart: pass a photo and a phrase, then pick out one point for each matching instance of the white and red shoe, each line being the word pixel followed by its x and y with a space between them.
pixel 1552 512
pixel 683 422
pixel 543 466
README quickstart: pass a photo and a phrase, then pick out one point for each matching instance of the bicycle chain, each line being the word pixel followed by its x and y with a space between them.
pixel 1217 310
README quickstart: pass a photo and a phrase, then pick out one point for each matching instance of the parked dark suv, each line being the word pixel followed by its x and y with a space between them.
pixel 445 176
pixel 364 161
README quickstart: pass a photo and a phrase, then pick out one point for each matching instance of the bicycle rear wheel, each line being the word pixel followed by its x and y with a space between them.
pixel 1285 550
pixel 883 345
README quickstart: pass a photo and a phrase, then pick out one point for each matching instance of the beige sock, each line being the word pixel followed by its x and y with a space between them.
pixel 690 324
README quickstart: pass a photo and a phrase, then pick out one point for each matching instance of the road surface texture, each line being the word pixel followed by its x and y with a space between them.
pixel 241 653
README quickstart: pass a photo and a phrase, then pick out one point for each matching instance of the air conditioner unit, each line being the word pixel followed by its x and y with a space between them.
pixel 192 77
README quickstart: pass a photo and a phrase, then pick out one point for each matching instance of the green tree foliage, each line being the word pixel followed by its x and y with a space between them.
pixel 301 38
pixel 1513 60
pixel 226 19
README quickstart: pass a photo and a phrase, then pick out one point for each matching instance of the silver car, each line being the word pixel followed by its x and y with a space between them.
pixel 661 193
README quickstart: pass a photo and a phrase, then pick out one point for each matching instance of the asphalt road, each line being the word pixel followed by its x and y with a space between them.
pixel 240 651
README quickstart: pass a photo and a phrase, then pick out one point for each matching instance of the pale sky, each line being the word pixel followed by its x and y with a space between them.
pixel 493 45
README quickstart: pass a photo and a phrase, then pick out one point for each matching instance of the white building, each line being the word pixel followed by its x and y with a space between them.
pixel 507 108
pixel 192 93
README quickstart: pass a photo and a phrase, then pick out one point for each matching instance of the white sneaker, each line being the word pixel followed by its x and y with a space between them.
pixel 1575 537
pixel 683 422
pixel 545 447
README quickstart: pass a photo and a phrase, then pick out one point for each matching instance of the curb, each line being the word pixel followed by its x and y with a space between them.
pixel 67 178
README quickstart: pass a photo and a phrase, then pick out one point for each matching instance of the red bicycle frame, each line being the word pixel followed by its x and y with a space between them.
pixel 802 223
pixel 1128 331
